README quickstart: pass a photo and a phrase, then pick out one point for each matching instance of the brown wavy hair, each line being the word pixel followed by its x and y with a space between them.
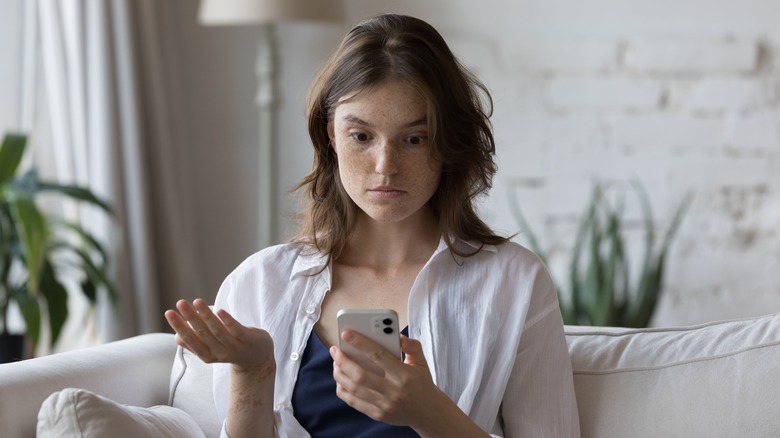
pixel 396 47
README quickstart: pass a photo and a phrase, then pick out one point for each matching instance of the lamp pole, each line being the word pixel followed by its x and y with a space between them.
pixel 265 13
pixel 266 101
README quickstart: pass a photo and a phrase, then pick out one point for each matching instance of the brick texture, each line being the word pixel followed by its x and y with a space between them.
pixel 679 115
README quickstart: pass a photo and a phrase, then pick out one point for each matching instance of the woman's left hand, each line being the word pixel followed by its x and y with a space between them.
pixel 405 395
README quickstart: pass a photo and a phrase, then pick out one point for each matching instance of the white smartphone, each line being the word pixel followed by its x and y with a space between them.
pixel 380 325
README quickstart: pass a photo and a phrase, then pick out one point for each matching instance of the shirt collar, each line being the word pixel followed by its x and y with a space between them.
pixel 307 264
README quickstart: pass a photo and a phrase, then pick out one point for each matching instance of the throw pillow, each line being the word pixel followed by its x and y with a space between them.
pixel 74 412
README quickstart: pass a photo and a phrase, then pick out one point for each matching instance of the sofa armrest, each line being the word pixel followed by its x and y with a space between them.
pixel 134 371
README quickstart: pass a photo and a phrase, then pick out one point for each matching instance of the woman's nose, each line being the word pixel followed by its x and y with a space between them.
pixel 387 160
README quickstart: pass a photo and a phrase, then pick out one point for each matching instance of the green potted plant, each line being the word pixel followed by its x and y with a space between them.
pixel 602 292
pixel 35 248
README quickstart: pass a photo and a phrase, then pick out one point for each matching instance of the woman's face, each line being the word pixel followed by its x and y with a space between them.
pixel 380 137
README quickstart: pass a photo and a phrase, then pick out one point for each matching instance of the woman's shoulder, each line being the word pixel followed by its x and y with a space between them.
pixel 284 259
pixel 511 252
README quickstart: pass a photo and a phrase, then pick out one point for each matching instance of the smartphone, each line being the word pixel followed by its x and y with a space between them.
pixel 380 325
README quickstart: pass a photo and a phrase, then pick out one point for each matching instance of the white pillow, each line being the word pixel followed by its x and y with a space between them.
pixel 720 379
pixel 76 412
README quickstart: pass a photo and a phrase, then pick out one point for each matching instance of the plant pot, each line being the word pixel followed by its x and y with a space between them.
pixel 11 347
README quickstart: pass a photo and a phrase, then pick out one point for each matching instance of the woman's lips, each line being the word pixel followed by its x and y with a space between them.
pixel 386 192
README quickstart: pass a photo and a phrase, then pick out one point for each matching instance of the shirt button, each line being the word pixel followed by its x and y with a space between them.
pixel 278 407
pixel 310 310
pixel 294 356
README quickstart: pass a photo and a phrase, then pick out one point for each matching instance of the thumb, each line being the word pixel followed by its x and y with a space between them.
pixel 413 350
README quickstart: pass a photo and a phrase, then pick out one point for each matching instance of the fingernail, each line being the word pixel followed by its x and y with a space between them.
pixel 347 336
pixel 332 351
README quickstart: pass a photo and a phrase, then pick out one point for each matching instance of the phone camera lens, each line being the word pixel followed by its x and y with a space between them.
pixel 388 330
pixel 387 321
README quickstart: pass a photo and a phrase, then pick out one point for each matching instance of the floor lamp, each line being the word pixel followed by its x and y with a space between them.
pixel 265 13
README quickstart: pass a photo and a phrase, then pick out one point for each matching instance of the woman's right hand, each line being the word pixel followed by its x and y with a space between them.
pixel 219 337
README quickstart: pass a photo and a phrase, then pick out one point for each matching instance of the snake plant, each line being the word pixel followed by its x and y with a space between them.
pixel 602 292
pixel 37 247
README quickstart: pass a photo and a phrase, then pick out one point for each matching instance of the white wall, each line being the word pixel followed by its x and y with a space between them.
pixel 683 96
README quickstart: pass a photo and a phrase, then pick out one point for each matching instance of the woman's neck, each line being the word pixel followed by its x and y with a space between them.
pixel 386 246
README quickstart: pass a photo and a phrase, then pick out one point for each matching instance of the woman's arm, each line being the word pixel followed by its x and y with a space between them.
pixel 539 398
pixel 404 395
pixel 220 338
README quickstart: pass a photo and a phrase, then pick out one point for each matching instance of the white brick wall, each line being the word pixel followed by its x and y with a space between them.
pixel 686 56
pixel 605 92
pixel 559 55
pixel 685 114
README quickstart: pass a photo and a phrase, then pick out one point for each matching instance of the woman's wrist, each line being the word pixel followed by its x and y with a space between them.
pixel 258 371
pixel 250 411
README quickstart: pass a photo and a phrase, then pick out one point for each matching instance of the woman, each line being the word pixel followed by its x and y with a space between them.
pixel 403 146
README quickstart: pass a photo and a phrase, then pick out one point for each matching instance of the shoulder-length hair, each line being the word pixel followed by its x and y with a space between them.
pixel 397 47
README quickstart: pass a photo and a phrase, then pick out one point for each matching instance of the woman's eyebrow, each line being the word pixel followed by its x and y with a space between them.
pixel 357 120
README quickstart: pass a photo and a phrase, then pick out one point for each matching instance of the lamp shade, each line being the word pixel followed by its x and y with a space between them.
pixel 228 12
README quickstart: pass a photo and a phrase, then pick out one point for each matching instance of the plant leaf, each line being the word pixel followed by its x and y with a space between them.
pixel 33 231
pixel 11 153
pixel 578 285
pixel 56 301
pixel 593 274
pixel 606 305
pixel 88 240
pixel 97 275
pixel 31 312
pixel 78 193
pixel 90 290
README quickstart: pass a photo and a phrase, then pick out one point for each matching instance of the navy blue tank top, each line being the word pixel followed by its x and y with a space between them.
pixel 319 410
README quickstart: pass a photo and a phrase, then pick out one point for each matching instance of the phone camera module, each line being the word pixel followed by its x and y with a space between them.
pixel 387 321
pixel 388 330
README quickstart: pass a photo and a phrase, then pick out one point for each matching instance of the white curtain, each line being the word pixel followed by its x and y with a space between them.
pixel 110 72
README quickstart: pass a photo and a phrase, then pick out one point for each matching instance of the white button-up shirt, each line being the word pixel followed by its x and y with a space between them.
pixel 489 326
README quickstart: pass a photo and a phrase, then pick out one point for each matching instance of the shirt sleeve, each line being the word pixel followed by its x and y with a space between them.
pixel 539 400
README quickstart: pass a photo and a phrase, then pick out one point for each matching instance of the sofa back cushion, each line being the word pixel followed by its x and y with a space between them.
pixel 719 379
pixel 191 391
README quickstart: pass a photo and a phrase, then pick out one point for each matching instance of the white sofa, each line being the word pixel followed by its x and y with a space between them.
pixel 714 380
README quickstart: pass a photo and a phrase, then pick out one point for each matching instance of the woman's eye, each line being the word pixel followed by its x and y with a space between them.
pixel 359 136
pixel 416 139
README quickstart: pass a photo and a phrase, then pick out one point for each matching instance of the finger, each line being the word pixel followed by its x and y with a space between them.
pixel 358 403
pixel 177 323
pixel 354 378
pixel 185 335
pixel 190 314
pixel 231 324
pixel 413 350
pixel 198 337
pixel 373 350
pixel 215 325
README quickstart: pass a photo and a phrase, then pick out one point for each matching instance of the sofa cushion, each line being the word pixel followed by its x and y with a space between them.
pixel 717 379
pixel 191 391
pixel 74 412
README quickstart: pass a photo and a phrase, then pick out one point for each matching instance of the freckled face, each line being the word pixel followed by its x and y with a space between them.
pixel 380 136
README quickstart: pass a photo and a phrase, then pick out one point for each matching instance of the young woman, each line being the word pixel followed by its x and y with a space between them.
pixel 403 145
